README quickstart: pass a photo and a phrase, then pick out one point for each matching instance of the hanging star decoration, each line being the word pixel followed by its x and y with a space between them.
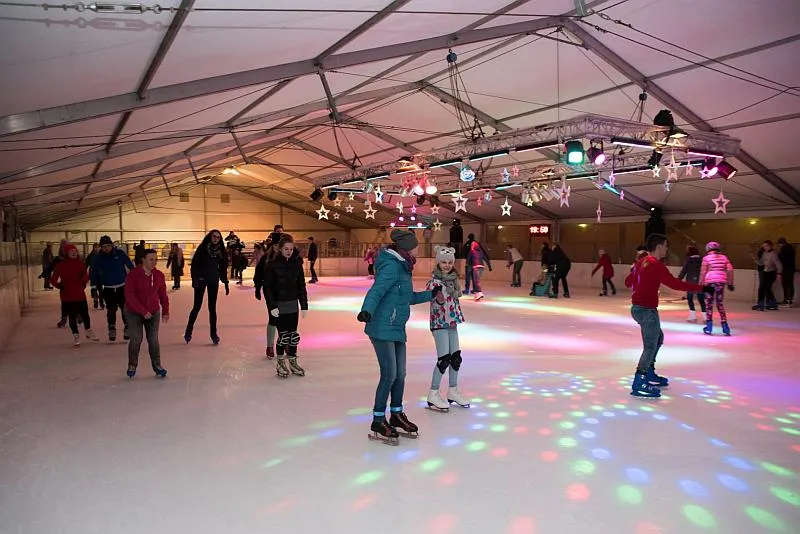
pixel 667 186
pixel 621 194
pixel 351 196
pixel 689 169
pixel 564 192
pixel 515 171
pixel 479 201
pixel 612 179
pixel 378 195
pixel 506 207
pixel 349 208
pixel 337 202
pixel 599 213
pixel 370 212
pixel 461 203
pixel 413 209
pixel 435 209
pixel 336 216
pixel 704 173
pixel 437 225
pixel 672 169
pixel 720 204
pixel 505 175
pixel 656 171
pixel 399 206
pixel 322 213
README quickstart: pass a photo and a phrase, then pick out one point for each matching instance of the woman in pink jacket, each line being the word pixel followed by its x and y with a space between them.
pixel 716 271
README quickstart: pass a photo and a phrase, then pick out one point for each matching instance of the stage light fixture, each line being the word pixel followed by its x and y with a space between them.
pixel 711 167
pixel 420 200
pixel 316 194
pixel 431 189
pixel 418 189
pixel 726 170
pixel 596 154
pixel 655 159
pixel 575 152
pixel 332 196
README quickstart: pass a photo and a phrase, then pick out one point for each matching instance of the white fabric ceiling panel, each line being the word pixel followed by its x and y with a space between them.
pixel 216 43
pixel 401 28
pixel 47 182
pixel 80 137
pixel 532 10
pixel 300 91
pixel 146 155
pixel 60 57
pixel 775 149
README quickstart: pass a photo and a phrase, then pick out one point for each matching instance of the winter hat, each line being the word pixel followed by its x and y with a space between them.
pixel 105 240
pixel 275 237
pixel 68 247
pixel 712 245
pixel 404 239
pixel 445 254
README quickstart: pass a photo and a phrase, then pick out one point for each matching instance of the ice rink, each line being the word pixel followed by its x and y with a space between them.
pixel 552 444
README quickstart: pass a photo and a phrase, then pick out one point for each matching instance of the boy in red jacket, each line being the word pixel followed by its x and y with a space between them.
pixel 146 303
pixel 646 276
pixel 608 273
pixel 70 277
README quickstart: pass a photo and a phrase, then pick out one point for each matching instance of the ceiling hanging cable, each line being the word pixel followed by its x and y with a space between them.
pixel 469 124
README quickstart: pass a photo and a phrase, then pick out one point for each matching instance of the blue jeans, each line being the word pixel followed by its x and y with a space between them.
pixel 468 278
pixel 392 362
pixel 652 336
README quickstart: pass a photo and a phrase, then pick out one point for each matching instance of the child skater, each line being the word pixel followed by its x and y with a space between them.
pixel 691 272
pixel 604 262
pixel 284 287
pixel 445 319
pixel 386 309
pixel 70 277
pixel 272 251
pixel 716 272
pixel 646 276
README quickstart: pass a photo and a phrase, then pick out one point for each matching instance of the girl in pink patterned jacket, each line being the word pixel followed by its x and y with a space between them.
pixel 717 271
pixel 445 319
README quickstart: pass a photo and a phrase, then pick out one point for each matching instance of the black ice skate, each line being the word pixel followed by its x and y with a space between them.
pixel 404 427
pixel 382 431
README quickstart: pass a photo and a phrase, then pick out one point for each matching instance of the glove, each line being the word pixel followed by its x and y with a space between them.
pixel 709 289
pixel 364 317
pixel 258 294
pixel 303 313
pixel 274 312
pixel 228 290
pixel 731 287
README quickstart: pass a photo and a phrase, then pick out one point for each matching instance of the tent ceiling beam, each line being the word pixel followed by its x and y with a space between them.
pixel 674 104
pixel 54 116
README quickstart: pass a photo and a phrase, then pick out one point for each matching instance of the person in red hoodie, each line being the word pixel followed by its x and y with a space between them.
pixel 146 304
pixel 645 278
pixel 70 277
pixel 604 262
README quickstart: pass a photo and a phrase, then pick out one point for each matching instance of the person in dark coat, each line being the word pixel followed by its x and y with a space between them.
pixel 175 264
pixel 284 287
pixel 786 255
pixel 545 254
pixel 691 272
pixel 313 254
pixel 604 263
pixel 47 265
pixel 560 264
pixel 209 268
pixel 138 252
pixel 97 295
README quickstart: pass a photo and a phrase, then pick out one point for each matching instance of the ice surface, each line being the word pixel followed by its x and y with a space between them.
pixel 552 444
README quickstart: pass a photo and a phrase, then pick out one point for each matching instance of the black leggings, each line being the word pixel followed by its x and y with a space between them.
pixel 562 276
pixel 114 298
pixel 288 338
pixel 75 309
pixel 199 290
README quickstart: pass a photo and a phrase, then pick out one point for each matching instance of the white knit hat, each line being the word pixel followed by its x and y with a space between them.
pixel 445 254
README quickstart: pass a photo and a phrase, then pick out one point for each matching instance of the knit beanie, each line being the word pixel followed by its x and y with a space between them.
pixel 404 239
pixel 275 238
pixel 105 240
pixel 712 245
pixel 445 254
pixel 68 247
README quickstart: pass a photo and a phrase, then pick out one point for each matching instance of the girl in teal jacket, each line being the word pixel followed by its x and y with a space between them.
pixel 386 309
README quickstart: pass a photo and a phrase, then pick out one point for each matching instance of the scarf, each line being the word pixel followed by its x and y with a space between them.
pixel 449 280
pixel 215 251
pixel 410 260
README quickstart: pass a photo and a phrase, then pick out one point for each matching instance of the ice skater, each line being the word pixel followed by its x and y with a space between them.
pixel 70 277
pixel 175 264
pixel 646 277
pixel 146 305
pixel 386 310
pixel 445 317
pixel 209 268
pixel 97 295
pixel 691 272
pixel 716 272
pixel 476 258
pixel 604 262
pixel 272 251
pixel 284 286
pixel 109 270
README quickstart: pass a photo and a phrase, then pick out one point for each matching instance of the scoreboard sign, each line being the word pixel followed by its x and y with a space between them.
pixel 540 229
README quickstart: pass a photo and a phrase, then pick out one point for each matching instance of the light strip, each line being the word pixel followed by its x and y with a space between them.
pixel 489 155
pixel 626 141
pixel 379 176
pixel 706 154
pixel 538 146
pixel 445 163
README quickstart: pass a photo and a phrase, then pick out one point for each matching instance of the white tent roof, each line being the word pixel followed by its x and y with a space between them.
pixel 99 106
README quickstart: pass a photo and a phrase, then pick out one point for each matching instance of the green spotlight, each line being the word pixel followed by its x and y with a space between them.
pixel 575 153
